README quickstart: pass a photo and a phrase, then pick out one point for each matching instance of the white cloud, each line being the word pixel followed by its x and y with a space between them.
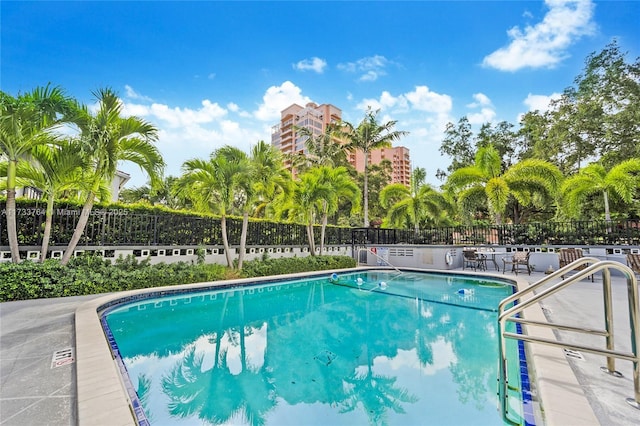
pixel 180 117
pixel 424 99
pixel 486 115
pixel 540 102
pixel 480 100
pixel 132 94
pixel 371 67
pixel 233 107
pixel 185 133
pixel 278 98
pixel 313 64
pixel 421 99
pixel 211 76
pixel 544 44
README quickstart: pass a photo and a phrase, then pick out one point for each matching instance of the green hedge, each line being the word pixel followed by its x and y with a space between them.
pixel 92 275
pixel 265 267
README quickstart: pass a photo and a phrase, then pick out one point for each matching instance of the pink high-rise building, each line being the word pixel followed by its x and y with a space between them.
pixel 398 156
pixel 316 118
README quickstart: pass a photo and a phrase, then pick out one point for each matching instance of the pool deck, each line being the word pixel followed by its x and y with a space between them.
pixel 571 388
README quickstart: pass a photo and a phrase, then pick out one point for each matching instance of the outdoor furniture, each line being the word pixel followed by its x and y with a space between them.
pixel 472 259
pixel 517 260
pixel 490 256
pixel 633 262
pixel 569 255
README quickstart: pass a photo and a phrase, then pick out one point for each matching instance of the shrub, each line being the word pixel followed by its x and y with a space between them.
pixel 92 275
pixel 288 265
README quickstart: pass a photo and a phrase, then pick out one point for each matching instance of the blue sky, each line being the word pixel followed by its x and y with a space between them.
pixel 214 73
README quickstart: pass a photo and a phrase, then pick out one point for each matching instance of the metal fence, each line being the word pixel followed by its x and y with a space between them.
pixel 123 227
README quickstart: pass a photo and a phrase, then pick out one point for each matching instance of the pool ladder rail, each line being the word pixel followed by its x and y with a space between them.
pixel 368 250
pixel 512 314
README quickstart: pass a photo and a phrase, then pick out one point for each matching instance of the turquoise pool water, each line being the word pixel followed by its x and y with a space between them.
pixel 374 347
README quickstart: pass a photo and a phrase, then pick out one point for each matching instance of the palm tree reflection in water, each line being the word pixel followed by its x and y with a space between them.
pixel 326 351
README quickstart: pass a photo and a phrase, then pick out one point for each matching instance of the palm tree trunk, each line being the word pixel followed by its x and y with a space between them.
pixel 312 245
pixel 12 232
pixel 365 191
pixel 77 233
pixel 607 213
pixel 243 239
pixel 47 228
pixel 225 241
pixel 325 219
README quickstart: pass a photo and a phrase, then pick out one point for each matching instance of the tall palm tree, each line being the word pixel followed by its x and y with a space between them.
pixel 213 186
pixel 366 137
pixel 484 182
pixel 107 139
pixel 340 186
pixel 408 208
pixel 56 169
pixel 23 121
pixel 622 180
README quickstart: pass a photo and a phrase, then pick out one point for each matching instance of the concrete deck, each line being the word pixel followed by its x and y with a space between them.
pixel 571 390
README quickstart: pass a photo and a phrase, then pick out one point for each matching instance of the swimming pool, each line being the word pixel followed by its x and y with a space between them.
pixel 375 347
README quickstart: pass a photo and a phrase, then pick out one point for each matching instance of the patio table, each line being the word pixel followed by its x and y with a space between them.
pixel 491 256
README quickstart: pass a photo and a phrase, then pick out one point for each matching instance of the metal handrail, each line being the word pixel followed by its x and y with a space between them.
pixel 559 273
pixel 634 320
pixel 376 255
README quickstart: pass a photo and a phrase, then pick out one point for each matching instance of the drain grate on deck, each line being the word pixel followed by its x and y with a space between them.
pixel 62 357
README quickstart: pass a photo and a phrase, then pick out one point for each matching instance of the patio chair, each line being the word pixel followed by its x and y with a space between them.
pixel 472 259
pixel 517 260
pixel 569 255
pixel 633 262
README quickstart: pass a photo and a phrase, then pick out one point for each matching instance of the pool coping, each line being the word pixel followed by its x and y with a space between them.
pixel 103 398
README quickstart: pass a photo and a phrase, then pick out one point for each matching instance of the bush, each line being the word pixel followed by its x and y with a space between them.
pixel 92 275
pixel 289 265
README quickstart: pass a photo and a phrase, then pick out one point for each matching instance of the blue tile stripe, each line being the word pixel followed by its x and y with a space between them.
pixel 525 385
pixel 138 411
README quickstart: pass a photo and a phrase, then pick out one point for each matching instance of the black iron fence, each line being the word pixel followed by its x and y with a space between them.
pixel 124 227
pixel 547 233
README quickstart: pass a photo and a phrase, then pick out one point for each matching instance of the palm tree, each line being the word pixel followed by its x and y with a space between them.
pixel 271 178
pixel 244 193
pixel 213 185
pixel 23 121
pixel 306 200
pixel 56 169
pixel 323 149
pixel 369 135
pixel 161 194
pixel 107 139
pixel 622 180
pixel 340 186
pixel 484 182
pixel 408 208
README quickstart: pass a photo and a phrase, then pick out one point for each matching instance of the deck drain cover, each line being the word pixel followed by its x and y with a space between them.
pixel 573 354
pixel 325 357
pixel 62 357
